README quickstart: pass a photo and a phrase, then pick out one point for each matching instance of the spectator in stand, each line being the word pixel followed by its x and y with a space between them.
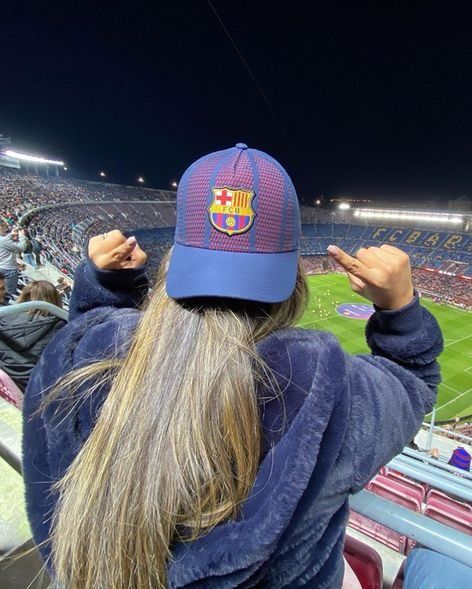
pixel 444 288
pixel 28 251
pixel 37 249
pixel 24 336
pixel 63 287
pixel 206 441
pixel 10 245
pixel 460 458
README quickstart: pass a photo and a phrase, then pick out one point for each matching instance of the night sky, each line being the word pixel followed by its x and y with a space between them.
pixel 370 98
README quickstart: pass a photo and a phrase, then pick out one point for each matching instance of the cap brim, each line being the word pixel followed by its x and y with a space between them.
pixel 198 272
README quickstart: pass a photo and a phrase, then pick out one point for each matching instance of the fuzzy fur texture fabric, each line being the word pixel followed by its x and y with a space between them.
pixel 340 419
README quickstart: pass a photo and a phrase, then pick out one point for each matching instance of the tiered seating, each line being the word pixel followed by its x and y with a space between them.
pixel 382 534
pixel 411 494
pixel 431 248
pixel 448 253
pixel 419 488
pixel 446 510
pixel 393 489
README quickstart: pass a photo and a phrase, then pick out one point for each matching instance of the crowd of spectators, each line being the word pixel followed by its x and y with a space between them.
pixel 444 288
pixel 64 231
pixel 21 193
pixel 60 233
pixel 318 265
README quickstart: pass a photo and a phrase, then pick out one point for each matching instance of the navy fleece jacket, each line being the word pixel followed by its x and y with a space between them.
pixel 341 418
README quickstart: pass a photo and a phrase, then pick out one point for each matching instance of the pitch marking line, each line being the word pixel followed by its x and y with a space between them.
pixel 318 320
pixel 450 388
pixel 457 341
pixel 453 400
pixel 469 369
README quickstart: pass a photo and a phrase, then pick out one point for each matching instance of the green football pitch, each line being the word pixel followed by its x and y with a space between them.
pixel 455 392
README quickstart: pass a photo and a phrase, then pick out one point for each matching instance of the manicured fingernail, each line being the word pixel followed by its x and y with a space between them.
pixel 333 250
pixel 131 240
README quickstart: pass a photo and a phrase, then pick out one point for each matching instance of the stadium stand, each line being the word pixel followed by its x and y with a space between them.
pixel 63 213
pixel 444 257
pixel 426 248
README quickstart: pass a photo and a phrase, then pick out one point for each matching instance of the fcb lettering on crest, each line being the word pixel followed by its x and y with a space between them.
pixel 231 211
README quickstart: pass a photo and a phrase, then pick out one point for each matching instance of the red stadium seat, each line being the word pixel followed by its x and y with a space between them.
pixel 408 496
pixel 420 487
pixel 382 534
pixel 449 516
pixel 438 499
pixel 365 562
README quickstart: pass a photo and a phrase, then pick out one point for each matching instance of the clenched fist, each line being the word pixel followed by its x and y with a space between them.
pixel 380 274
pixel 112 251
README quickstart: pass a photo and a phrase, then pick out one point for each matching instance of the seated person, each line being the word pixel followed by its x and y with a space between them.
pixel 23 336
pixel 63 287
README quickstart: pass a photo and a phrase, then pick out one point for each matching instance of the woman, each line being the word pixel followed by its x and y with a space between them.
pixel 204 441
pixel 24 336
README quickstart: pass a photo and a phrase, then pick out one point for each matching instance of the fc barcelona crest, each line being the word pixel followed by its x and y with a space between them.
pixel 231 211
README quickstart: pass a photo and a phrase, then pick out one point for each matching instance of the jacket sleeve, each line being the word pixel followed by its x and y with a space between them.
pixel 36 471
pixel 95 288
pixel 392 389
pixel 15 246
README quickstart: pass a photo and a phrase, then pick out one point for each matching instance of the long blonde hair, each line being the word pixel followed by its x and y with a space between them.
pixel 176 447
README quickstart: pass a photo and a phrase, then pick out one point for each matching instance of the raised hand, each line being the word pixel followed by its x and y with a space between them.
pixel 112 251
pixel 380 274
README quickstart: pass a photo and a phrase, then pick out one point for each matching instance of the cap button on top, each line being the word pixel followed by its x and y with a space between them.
pixel 241 145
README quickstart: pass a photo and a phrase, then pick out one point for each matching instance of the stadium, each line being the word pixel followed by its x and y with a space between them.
pixel 63 213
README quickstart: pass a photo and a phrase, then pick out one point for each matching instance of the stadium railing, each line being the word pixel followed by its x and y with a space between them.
pixel 32 306
pixel 25 216
pixel 437 463
pixel 423 530
pixel 444 481
pixel 450 432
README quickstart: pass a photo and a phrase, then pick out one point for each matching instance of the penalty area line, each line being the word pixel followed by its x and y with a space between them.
pixel 455 399
pixel 451 343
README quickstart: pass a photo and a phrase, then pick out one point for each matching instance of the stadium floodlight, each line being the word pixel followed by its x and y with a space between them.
pixel 318 201
pixel 140 179
pixel 65 168
pixel 430 217
pixel 344 206
pixel 174 184
pixel 102 174
pixel 32 158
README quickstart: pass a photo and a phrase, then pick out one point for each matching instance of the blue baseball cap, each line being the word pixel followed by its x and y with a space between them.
pixel 238 229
